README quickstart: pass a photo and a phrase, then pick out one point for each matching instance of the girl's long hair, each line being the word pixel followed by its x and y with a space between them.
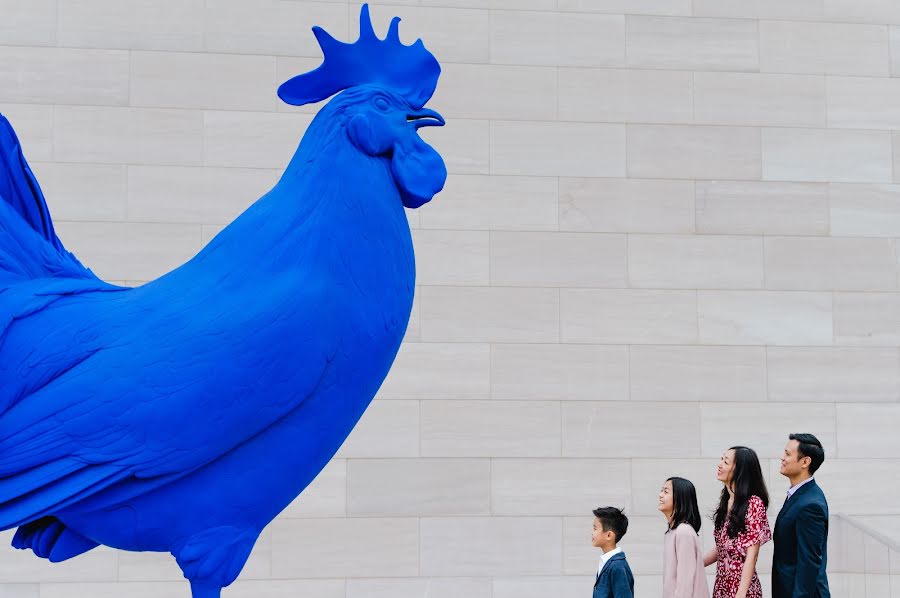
pixel 747 478
pixel 684 502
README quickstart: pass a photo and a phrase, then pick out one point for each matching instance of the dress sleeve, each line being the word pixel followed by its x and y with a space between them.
pixel 757 524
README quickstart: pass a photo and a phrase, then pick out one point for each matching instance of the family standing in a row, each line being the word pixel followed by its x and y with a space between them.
pixel 741 526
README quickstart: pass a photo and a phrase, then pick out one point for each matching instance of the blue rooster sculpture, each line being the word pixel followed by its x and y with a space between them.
pixel 183 415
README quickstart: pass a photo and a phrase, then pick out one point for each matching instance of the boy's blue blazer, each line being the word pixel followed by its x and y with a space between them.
pixel 615 580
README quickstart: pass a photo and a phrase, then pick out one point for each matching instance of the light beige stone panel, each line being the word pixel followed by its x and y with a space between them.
pixel 537 487
pixel 167 589
pixel 64 76
pixel 136 25
pixel 863 103
pixel 764 318
pixel 326 496
pixel 800 10
pixel 496 92
pixel 827 155
pixel 388 429
pixel 132 250
pixel 558 149
pixel 649 474
pixel 864 210
pixel 569 586
pixel 251 139
pixel 432 587
pixel 465 145
pixel 622 430
pixel 418 487
pixel 642 543
pixel 823 264
pixel 763 427
pixel 127 135
pixel 697 373
pixel 847 483
pixel 424 371
pixel 634 7
pixel 494 203
pixel 83 191
pixel 625 95
pixel 558 259
pixel 480 314
pixel 759 99
pixel 452 257
pixel 823 48
pixel 214 81
pixel 556 371
pixel 626 205
pixel 358 547
pixel 557 39
pixel 28 24
pixel 204 195
pixel 762 208
pixel 491 546
pixel 867 431
pixel 628 316
pixel 839 375
pixel 451 34
pixel 33 125
pixel 692 43
pixel 689 262
pixel 867 319
pixel 270 26
pixel 693 152
pixel 873 11
pixel 490 429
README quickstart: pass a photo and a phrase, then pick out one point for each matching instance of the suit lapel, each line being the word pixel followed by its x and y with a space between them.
pixel 606 567
pixel 792 501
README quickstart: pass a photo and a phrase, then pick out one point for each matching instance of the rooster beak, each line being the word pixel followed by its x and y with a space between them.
pixel 425 118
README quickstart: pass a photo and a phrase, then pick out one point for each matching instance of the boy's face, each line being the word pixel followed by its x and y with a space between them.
pixel 600 538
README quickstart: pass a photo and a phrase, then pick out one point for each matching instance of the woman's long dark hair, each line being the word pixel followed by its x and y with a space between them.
pixel 747 478
pixel 684 503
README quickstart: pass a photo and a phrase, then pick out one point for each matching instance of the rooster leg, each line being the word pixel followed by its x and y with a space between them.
pixel 213 558
pixel 204 591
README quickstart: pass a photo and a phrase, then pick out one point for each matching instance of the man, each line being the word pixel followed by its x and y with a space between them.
pixel 801 530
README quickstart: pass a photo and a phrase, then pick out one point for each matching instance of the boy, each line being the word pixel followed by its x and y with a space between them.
pixel 614 578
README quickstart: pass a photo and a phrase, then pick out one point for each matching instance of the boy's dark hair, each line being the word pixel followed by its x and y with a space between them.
pixel 612 519
pixel 810 447
pixel 684 499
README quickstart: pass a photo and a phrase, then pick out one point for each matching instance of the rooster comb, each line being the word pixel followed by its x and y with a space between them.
pixel 410 71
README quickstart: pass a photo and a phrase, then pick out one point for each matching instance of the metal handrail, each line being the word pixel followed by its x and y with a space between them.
pixel 889 542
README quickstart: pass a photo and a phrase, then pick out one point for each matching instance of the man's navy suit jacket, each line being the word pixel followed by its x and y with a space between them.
pixel 615 579
pixel 801 545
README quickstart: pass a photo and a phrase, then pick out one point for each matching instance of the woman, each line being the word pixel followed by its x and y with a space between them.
pixel 741 525
pixel 683 575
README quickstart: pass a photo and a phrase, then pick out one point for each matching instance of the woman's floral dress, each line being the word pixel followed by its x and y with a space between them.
pixel 733 551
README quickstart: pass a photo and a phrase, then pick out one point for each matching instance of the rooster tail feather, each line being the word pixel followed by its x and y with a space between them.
pixel 29 247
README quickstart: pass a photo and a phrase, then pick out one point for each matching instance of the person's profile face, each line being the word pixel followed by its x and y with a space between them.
pixel 725 470
pixel 666 499
pixel 599 537
pixel 792 464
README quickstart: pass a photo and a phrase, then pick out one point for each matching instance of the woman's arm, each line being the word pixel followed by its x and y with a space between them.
pixel 748 571
pixel 710 557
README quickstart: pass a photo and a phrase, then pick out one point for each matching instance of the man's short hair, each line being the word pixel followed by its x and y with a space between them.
pixel 810 447
pixel 612 519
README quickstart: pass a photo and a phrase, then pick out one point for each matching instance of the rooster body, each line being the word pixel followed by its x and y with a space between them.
pixel 183 415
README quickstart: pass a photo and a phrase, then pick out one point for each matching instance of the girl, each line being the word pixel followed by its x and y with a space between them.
pixel 683 575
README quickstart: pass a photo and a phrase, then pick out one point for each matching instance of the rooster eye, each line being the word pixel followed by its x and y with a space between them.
pixel 382 104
